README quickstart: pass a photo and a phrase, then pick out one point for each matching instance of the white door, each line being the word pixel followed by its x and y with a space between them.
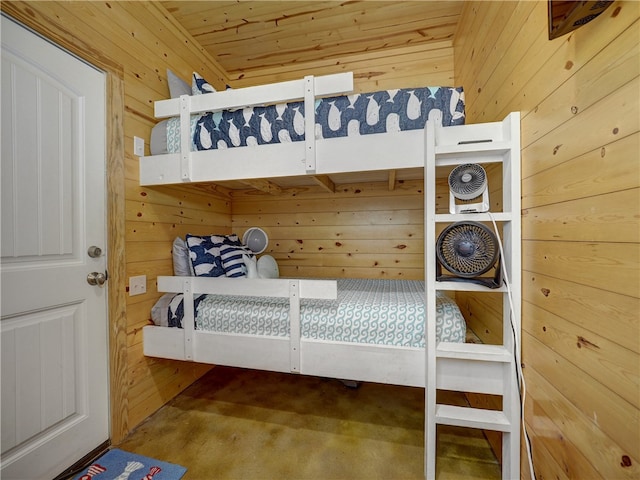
pixel 53 324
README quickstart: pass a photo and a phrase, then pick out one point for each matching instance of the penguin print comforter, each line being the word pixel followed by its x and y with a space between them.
pixel 349 115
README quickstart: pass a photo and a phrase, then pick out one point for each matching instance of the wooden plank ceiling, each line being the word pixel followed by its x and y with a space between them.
pixel 247 35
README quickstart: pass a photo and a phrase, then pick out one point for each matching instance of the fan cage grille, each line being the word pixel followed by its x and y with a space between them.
pixel 467 249
pixel 467 181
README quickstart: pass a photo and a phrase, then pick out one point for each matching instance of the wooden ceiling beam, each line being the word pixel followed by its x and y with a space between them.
pixel 392 179
pixel 264 186
pixel 325 182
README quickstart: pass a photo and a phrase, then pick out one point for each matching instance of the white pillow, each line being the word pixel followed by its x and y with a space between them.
pixel 177 86
pixel 181 263
pixel 252 266
pixel 268 267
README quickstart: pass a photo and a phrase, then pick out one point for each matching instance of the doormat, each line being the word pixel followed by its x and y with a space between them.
pixel 120 465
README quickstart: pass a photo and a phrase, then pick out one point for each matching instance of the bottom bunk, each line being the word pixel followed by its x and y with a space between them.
pixel 362 330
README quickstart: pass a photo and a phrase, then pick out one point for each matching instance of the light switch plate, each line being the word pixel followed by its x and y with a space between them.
pixel 137 285
pixel 138 146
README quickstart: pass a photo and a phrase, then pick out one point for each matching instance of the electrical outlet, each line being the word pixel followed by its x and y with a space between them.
pixel 138 146
pixel 137 285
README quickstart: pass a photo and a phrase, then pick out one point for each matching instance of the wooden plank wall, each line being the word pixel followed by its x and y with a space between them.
pixel 262 35
pixel 395 68
pixel 578 95
pixel 362 230
pixel 137 42
pixel 406 67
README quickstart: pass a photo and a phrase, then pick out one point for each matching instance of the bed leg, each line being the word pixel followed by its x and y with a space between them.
pixel 351 384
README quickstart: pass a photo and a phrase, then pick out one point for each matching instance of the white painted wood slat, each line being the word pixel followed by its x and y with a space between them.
pixel 472 417
pixel 272 93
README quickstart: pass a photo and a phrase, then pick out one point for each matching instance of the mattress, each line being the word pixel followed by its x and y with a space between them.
pixel 383 312
pixel 347 115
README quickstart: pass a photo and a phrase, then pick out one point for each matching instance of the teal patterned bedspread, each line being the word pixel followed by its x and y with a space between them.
pixel 384 312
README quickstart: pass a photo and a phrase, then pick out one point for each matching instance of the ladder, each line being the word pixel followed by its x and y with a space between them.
pixel 478 368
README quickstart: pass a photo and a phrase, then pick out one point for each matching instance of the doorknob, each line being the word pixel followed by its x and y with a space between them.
pixel 97 278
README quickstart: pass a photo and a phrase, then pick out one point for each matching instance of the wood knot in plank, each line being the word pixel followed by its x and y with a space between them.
pixel 545 291
pixel 584 342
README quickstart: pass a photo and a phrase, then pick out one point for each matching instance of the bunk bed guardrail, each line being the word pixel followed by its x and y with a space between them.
pixel 179 343
pixel 306 89
pixel 315 126
pixel 292 353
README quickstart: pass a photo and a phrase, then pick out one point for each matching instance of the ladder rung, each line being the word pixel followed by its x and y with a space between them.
pixel 474 351
pixel 472 417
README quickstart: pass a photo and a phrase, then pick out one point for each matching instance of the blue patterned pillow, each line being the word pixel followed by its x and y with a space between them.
pixel 199 85
pixel 231 252
pixel 204 253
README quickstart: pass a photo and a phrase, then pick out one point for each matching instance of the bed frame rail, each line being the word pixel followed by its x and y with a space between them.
pixel 306 89
pixel 293 289
pixel 293 354
pixel 322 86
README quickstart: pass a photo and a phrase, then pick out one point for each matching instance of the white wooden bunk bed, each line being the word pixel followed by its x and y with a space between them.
pixel 338 142
pixel 468 368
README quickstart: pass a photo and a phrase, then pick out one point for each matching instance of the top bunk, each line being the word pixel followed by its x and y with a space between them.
pixel 311 130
